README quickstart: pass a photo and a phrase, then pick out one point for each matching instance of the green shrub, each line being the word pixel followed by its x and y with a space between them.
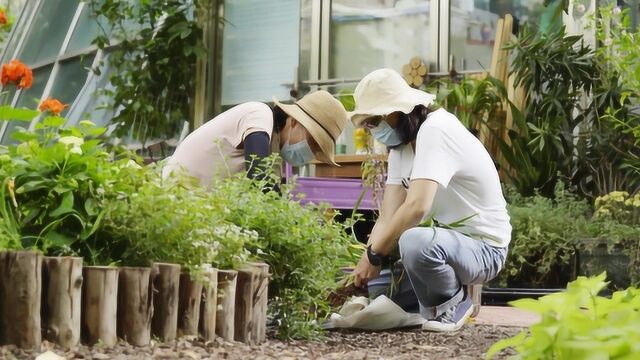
pixel 304 247
pixel 579 324
pixel 616 222
pixel 544 235
pixel 57 177
pixel 170 221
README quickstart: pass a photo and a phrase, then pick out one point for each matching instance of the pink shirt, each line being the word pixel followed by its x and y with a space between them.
pixel 215 150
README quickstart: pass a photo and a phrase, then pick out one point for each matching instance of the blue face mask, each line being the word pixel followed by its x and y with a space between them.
pixel 297 154
pixel 386 134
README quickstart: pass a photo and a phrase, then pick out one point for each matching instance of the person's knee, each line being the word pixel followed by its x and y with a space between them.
pixel 415 242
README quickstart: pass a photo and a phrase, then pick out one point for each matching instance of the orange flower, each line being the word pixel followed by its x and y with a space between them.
pixel 52 105
pixel 3 18
pixel 17 73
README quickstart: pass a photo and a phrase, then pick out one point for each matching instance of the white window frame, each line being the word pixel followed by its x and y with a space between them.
pixel 59 58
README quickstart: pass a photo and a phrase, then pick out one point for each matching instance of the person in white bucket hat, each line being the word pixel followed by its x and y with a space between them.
pixel 237 139
pixel 437 170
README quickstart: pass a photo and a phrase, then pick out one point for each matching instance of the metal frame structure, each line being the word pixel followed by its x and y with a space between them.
pixel 27 17
pixel 320 46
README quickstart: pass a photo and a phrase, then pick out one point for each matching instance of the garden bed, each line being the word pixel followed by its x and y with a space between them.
pixel 469 343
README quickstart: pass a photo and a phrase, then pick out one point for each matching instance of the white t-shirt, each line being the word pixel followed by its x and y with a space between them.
pixel 468 183
pixel 213 149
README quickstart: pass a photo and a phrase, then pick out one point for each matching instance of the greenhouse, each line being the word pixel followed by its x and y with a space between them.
pixel 319 179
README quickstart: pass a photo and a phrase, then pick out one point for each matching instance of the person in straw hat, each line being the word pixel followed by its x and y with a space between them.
pixel 238 138
pixel 437 170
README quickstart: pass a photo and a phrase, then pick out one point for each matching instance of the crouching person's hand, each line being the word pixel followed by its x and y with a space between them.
pixel 365 271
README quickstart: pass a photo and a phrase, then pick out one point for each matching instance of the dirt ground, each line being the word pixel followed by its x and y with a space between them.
pixel 469 343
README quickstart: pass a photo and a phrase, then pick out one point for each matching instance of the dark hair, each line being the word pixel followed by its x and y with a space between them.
pixel 409 124
pixel 279 119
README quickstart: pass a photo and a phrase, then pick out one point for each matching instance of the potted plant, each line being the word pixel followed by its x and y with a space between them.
pixel 615 242
pixel 542 252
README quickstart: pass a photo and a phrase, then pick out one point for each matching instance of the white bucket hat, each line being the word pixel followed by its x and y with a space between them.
pixel 383 92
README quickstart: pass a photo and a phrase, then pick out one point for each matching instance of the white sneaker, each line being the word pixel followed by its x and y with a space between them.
pixel 452 319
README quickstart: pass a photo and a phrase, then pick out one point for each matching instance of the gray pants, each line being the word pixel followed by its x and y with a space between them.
pixel 440 261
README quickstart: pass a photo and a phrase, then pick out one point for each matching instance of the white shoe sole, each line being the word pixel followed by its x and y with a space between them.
pixel 437 326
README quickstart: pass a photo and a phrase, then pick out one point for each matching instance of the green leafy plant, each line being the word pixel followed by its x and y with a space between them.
pixel 579 324
pixel 303 245
pixel 619 53
pixel 472 100
pixel 609 142
pixel 554 70
pixel 58 176
pixel 544 237
pixel 616 223
pixel 157 44
pixel 9 232
pixel 171 221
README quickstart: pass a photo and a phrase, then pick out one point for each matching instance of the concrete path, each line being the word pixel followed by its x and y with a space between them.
pixel 505 316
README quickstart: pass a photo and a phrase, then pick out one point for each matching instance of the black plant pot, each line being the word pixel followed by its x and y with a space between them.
pixel 596 256
pixel 530 284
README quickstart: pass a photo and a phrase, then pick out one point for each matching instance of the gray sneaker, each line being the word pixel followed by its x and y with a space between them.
pixel 452 319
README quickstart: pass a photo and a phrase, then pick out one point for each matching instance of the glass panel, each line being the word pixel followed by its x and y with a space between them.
pixel 368 35
pixel 260 49
pixel 634 5
pixel 6 96
pixel 12 7
pixel 29 98
pixel 48 30
pixel 473 27
pixel 70 78
pixel 20 13
pixel 91 104
pixel 87 29
pixel 344 92
pixel 305 40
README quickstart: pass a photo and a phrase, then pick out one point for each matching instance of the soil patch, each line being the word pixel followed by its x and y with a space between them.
pixel 471 342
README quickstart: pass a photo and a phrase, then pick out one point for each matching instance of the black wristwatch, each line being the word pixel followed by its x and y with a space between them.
pixel 374 258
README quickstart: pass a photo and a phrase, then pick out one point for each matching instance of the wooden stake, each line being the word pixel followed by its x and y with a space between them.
pixel 189 305
pixel 99 305
pixel 226 300
pixel 166 285
pixel 209 306
pixel 245 288
pixel 260 303
pixel 61 300
pixel 135 305
pixel 20 298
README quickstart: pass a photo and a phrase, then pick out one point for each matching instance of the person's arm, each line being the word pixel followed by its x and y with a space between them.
pixel 257 146
pixel 385 236
pixel 418 202
pixel 392 199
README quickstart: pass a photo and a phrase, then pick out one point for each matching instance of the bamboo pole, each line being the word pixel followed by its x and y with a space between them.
pixel 135 305
pixel 99 305
pixel 20 298
pixel 61 299
pixel 166 285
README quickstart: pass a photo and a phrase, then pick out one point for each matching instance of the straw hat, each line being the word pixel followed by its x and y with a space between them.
pixel 323 116
pixel 383 92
